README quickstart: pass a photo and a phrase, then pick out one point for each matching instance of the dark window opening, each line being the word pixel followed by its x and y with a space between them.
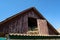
pixel 32 23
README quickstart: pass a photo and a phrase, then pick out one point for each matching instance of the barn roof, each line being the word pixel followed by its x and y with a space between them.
pixel 25 11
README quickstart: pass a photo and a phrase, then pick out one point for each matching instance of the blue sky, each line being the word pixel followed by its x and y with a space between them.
pixel 50 9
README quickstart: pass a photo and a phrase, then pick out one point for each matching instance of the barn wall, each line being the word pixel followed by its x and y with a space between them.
pixel 18 24
pixel 51 32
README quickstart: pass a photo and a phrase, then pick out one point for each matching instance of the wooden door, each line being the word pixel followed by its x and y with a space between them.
pixel 42 27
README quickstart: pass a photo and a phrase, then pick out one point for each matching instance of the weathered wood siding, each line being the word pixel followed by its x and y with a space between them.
pixel 18 24
pixel 42 26
pixel 51 32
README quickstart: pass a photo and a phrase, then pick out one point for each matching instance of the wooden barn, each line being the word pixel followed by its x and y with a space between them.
pixel 29 21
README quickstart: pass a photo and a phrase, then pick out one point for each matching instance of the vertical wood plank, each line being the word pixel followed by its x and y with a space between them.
pixel 42 26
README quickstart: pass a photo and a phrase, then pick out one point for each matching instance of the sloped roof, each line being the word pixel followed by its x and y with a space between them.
pixel 25 11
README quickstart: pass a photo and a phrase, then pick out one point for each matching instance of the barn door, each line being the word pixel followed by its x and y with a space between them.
pixel 42 26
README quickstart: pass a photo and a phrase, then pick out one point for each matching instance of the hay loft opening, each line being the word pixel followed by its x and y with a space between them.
pixel 32 23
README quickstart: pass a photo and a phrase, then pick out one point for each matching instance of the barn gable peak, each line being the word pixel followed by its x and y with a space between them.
pixel 28 10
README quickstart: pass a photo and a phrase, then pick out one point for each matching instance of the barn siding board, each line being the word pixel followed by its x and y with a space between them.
pixel 43 28
pixel 25 24
pixel 20 25
pixel 32 14
pixel 50 31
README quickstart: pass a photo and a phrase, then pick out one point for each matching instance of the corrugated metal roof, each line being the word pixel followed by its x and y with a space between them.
pixel 28 36
pixel 18 34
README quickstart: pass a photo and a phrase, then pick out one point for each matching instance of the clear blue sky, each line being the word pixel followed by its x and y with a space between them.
pixel 50 9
